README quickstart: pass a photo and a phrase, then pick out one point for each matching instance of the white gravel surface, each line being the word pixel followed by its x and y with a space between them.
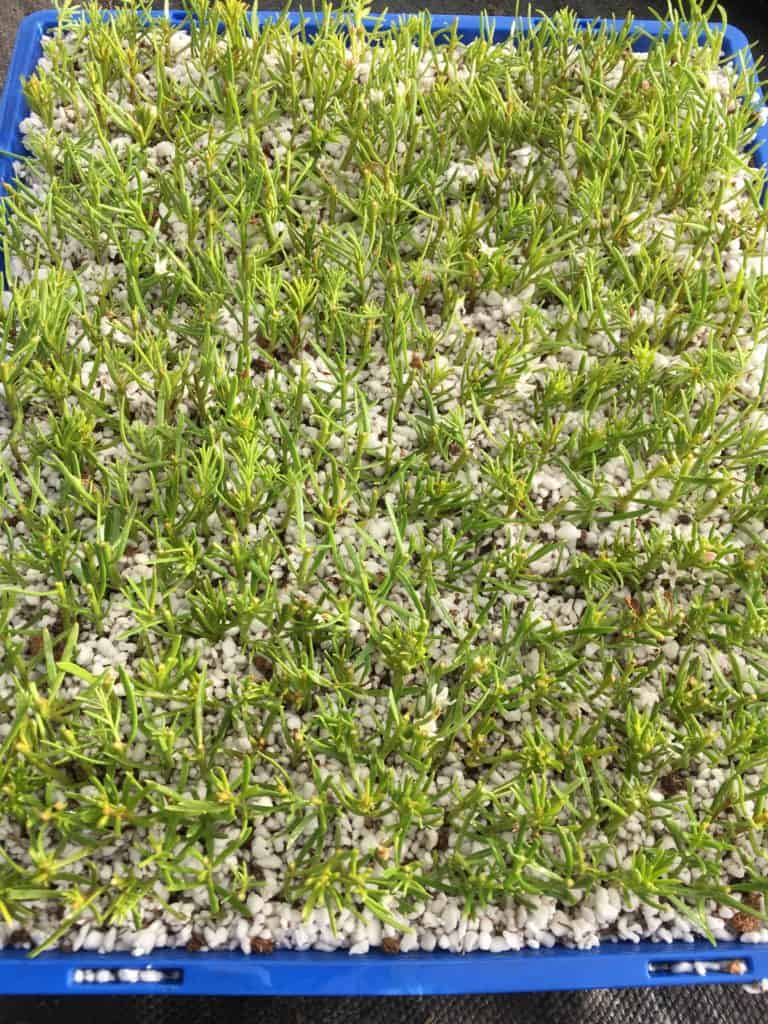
pixel 460 334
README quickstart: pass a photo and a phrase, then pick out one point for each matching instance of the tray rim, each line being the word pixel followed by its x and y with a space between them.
pixel 293 973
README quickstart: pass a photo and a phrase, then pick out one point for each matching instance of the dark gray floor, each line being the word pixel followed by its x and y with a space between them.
pixel 704 1005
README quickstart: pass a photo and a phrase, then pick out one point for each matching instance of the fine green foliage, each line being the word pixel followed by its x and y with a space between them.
pixel 302 540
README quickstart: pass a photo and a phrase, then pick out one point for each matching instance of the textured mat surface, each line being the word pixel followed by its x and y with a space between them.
pixel 705 1005
pixel 709 1005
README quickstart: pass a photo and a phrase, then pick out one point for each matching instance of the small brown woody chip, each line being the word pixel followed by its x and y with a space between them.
pixel 391 944
pixel 672 783
pixel 260 945
pixel 742 922
pixel 35 644
pixel 263 665
pixel 443 837
pixel 19 937
pixel 195 943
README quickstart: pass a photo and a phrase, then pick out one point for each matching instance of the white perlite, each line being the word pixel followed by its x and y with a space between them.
pixel 395 624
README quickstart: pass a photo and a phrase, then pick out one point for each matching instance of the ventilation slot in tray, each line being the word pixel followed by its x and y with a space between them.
pixel 138 976
pixel 731 966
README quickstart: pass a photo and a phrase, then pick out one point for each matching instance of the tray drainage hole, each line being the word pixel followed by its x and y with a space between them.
pixel 126 976
pixel 700 968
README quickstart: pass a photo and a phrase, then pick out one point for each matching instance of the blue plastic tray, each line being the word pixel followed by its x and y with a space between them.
pixel 617 965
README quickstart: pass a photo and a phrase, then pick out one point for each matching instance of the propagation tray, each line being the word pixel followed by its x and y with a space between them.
pixel 285 972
